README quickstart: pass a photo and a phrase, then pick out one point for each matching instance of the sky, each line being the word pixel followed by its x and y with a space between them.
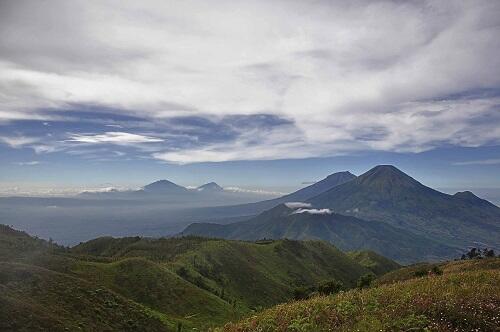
pixel 269 95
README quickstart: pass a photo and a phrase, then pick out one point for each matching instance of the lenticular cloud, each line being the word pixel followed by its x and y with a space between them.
pixel 313 211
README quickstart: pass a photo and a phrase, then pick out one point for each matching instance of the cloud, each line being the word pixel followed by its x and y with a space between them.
pixel 113 137
pixel 18 141
pixel 313 211
pixel 477 162
pixel 341 78
pixel 27 163
pixel 296 205
pixel 252 191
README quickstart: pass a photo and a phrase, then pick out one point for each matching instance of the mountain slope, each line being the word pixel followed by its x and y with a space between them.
pixel 196 282
pixel 210 187
pixel 300 195
pixel 237 268
pixel 386 194
pixel 345 232
pixel 164 187
pixel 33 298
pixel 457 301
pixel 376 263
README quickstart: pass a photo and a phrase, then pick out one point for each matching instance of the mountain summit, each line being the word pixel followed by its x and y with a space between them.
pixel 387 176
pixel 387 194
pixel 210 187
pixel 164 187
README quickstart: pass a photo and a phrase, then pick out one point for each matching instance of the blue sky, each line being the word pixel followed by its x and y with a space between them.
pixel 255 94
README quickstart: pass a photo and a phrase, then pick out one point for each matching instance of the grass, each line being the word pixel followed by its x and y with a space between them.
pixel 37 299
pixel 454 301
pixel 376 263
pixel 191 282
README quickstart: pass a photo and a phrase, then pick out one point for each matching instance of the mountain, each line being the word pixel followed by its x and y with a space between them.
pixel 144 284
pixel 345 232
pixel 164 187
pixel 303 194
pixel 317 188
pixel 386 194
pixel 210 187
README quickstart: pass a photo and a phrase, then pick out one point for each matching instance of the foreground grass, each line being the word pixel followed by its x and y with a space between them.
pixel 464 301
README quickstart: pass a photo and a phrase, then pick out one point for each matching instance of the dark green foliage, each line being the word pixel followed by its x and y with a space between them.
pixel 330 287
pixel 365 280
pixel 323 288
pixel 421 273
pixel 477 253
pixel 436 270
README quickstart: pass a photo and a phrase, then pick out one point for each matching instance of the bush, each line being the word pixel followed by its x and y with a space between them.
pixel 365 280
pixel 330 287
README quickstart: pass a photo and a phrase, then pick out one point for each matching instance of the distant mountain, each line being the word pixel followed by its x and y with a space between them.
pixel 303 194
pixel 317 188
pixel 345 232
pixel 210 187
pixel 386 194
pixel 164 187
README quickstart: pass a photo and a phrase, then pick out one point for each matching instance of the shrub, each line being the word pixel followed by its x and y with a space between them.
pixel 365 280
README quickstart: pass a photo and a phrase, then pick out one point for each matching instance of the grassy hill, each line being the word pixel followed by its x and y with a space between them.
pixel 376 263
pixel 36 299
pixel 156 284
pixel 345 232
pixel 458 300
pixel 235 269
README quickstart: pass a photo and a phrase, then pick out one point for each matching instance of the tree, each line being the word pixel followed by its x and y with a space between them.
pixel 436 270
pixel 489 253
pixel 365 280
pixel 330 287
pixel 301 293
pixel 473 253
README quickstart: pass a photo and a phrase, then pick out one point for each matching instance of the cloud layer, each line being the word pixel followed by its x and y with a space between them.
pixel 244 80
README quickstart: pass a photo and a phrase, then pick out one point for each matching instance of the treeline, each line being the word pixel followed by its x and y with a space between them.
pixel 477 253
pixel 330 287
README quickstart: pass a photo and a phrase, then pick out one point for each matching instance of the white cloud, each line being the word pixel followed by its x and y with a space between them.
pixel 342 73
pixel 113 137
pixel 18 141
pixel 252 191
pixel 313 211
pixel 296 205
pixel 28 163
pixel 478 162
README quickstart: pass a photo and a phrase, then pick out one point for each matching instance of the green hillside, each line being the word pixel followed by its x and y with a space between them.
pixel 376 263
pixel 454 301
pixel 345 232
pixel 37 299
pixel 156 284
pixel 237 268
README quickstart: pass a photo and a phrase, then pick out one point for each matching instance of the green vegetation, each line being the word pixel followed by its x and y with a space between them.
pixel 158 284
pixel 466 297
pixel 376 263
